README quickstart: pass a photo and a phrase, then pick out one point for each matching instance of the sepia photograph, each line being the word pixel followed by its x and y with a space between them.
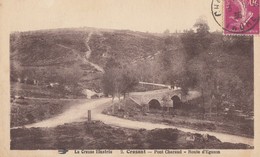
pixel 122 75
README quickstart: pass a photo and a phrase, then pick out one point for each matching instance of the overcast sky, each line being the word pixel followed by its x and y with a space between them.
pixel 137 15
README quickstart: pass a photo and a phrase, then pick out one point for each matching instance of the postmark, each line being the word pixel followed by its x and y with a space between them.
pixel 237 17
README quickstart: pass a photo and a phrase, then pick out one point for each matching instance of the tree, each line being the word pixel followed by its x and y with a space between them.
pixel 199 67
pixel 166 32
pixel 118 79
pixel 128 81
pixel 109 82
pixel 174 63
pixel 195 43
pixel 203 36
pixel 111 77
pixel 189 41
pixel 201 26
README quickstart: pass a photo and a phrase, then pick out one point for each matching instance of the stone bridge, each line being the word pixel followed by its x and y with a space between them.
pixel 163 97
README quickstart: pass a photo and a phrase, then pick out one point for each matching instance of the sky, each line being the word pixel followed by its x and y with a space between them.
pixel 136 15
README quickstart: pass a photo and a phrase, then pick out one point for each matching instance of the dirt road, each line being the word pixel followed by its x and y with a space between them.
pixel 79 113
pixel 76 113
pixel 111 120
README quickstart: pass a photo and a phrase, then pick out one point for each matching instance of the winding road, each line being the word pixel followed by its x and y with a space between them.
pixel 78 113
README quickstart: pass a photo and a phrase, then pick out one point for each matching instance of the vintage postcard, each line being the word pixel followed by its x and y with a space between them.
pixel 129 77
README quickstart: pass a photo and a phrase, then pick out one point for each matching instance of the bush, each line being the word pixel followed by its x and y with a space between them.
pixel 162 138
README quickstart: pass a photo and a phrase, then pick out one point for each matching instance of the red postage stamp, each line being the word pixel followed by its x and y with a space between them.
pixel 241 17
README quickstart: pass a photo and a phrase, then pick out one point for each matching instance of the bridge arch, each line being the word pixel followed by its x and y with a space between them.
pixel 176 101
pixel 154 104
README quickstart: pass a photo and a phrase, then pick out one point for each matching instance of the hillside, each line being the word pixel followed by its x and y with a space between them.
pixel 64 51
pixel 222 66
pixel 126 46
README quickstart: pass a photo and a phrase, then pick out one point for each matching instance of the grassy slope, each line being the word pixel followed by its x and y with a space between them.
pixel 126 46
pixel 33 54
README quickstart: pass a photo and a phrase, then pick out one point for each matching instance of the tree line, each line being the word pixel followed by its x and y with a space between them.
pixel 220 67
